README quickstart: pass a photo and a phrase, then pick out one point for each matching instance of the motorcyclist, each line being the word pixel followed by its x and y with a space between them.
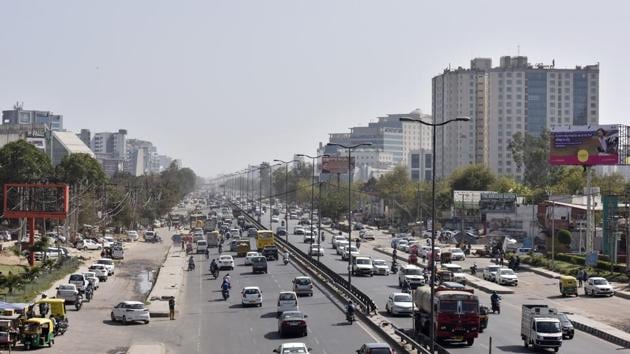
pixel 207 253
pixel 350 309
pixel 285 255
pixel 220 248
pixel 405 286
pixel 225 288
pixel 227 280
pixel 358 243
pixel 213 266
pixel 89 291
pixel 473 269
pixel 43 307
pixel 191 263
pixel 494 299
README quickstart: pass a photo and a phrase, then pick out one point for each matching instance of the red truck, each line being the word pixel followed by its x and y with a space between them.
pixel 456 316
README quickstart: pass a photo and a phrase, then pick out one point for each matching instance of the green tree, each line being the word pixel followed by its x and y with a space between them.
pixel 21 161
pixel 82 169
pixel 472 178
pixel 532 154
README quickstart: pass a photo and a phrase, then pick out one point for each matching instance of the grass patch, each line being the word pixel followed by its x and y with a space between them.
pixel 43 282
pixel 568 268
pixel 14 268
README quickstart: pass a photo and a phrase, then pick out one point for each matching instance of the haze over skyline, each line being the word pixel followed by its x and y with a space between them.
pixel 224 84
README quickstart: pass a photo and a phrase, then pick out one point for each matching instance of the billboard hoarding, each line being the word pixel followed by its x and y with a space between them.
pixel 584 145
pixel 335 164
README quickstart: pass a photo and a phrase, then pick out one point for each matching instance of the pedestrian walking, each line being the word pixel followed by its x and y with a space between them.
pixel 580 277
pixel 171 308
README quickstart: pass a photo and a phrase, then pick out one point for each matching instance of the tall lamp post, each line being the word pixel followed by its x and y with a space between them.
pixel 313 158
pixel 286 195
pixel 270 194
pixel 433 212
pixel 350 173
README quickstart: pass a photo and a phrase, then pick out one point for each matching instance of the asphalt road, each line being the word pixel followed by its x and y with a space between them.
pixel 504 329
pixel 208 324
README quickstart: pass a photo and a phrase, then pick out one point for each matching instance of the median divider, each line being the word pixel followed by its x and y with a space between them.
pixel 158 348
pixel 169 283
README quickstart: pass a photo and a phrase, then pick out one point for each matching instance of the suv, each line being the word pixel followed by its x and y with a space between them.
pixel 375 348
pixel 68 292
pixel 413 275
pixel 270 252
pixel 362 265
pixel 259 264
pixel 303 285
pixel 79 280
pixel 108 263
pixel 490 272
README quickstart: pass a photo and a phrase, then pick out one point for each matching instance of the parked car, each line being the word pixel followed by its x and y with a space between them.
pixel 226 262
pixel 92 278
pixel 303 285
pixel 287 301
pixel 399 304
pixel 596 286
pixel 132 235
pixel 292 322
pixel 100 271
pixel 130 311
pixel 68 292
pixel 79 281
pixel 88 244
pixel 251 295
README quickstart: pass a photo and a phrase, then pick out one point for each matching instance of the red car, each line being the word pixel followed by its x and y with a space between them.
pixel 292 322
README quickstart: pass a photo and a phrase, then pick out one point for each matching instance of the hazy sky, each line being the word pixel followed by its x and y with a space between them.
pixel 222 84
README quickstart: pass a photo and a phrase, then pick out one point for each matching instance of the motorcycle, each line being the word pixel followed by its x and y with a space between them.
pixel 394 268
pixel 61 326
pixel 191 266
pixel 78 303
pixel 473 269
pixel 215 273
pixel 226 294
pixel 285 261
pixel 496 307
pixel 89 294
pixel 350 316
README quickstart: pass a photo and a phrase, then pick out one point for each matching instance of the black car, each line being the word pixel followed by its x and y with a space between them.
pixel 271 253
pixel 292 322
pixel 375 348
pixel 567 326
pixel 259 264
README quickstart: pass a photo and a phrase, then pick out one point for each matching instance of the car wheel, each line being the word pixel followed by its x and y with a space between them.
pixel 305 333
pixel 146 322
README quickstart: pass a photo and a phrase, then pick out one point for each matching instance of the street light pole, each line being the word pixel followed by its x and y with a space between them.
pixel 433 213
pixel 286 195
pixel 350 173
pixel 312 198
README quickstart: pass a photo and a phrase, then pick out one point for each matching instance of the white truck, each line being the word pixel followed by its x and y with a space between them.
pixel 540 327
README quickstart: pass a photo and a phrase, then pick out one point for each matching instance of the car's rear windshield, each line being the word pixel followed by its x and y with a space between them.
pixel 76 277
pixel 302 281
pixel 135 306
pixel 105 261
pixel 379 351
pixel 402 298
pixel 259 259
pixel 287 296
pixel 251 291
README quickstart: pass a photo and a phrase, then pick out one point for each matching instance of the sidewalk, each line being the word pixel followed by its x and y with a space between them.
pixel 169 283
pixel 621 290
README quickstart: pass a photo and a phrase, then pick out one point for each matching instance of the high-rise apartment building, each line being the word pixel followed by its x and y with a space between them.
pixel 110 149
pixel 515 97
pixel 142 158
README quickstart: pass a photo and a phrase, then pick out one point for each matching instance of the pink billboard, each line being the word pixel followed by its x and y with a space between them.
pixel 584 145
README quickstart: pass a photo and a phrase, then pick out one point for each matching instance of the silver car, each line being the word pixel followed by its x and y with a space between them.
pixel 303 285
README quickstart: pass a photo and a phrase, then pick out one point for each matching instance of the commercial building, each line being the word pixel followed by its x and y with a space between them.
pixel 142 158
pixel 64 144
pixel 20 116
pixel 110 149
pixel 515 97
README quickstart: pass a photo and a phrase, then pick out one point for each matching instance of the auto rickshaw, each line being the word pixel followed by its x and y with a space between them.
pixel 568 285
pixel 444 275
pixel 412 259
pixel 58 312
pixel 483 318
pixel 37 332
pixel 242 247
pixel 445 257
pixel 10 330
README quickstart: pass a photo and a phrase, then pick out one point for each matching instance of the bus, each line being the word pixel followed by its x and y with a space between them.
pixel 264 238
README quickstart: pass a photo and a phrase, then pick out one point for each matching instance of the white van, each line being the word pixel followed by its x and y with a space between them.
pixel 202 246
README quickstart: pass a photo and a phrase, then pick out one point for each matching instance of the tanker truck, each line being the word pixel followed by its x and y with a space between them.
pixel 456 314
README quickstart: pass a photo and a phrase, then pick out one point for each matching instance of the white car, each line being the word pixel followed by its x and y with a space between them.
pixel 292 348
pixel 275 219
pixel 399 304
pixel 490 272
pixel 226 261
pixel 100 271
pixel 506 276
pixel 316 250
pixel 130 311
pixel 251 295
pixel 298 231
pixel 412 274
pixel 350 250
pixel 92 278
pixel 88 244
pixel 108 263
pixel 132 235
pixel 287 301
pixel 341 245
pixel 457 254
pixel 336 239
pixel 380 267
pixel 598 286
pixel 249 256
pixel 308 238
pixel 401 245
pixel 456 271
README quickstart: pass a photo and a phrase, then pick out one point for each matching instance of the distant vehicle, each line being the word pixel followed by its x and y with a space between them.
pixel 399 304
pixel 380 267
pixel 506 276
pixel 79 281
pixel 249 256
pixel 275 219
pixel 151 236
pixel 251 295
pixel 568 331
pixel 287 301
pixel 226 262
pixel 130 311
pixel 88 244
pixel 326 221
pixel 362 265
pixel 100 271
pixel 457 254
pixel 316 250
pixel 69 293
pixel 132 235
pixel 349 251
pixel 202 246
pixel 259 264
pixel 264 238
pixel 490 272
pixel 292 322
pixel 290 348
pixel 303 285
pixel 92 278
pixel 412 274
pixel 299 231
pixel 270 252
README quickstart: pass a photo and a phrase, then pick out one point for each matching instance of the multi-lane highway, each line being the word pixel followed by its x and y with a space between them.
pixel 504 328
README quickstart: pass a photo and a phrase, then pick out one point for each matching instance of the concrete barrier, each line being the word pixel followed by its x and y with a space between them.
pixel 597 329
pixel 169 283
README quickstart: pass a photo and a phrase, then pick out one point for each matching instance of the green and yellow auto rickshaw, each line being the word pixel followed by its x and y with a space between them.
pixel 37 332
pixel 58 312
pixel 568 285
